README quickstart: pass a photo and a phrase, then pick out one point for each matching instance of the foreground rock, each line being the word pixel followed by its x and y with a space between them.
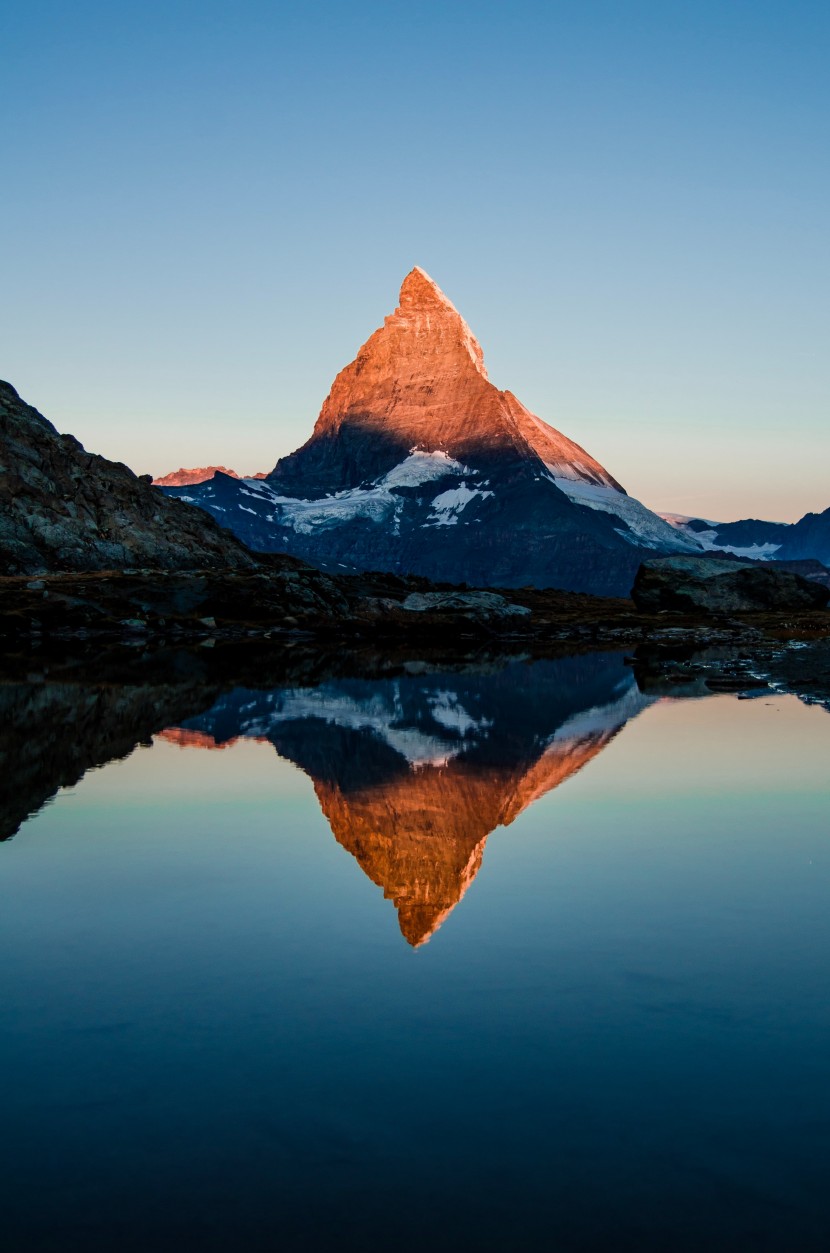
pixel 62 508
pixel 691 584
pixel 464 604
pixel 284 598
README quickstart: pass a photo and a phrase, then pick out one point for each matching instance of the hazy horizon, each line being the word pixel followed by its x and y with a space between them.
pixel 212 208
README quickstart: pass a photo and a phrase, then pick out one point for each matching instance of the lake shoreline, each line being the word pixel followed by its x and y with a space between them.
pixel 291 601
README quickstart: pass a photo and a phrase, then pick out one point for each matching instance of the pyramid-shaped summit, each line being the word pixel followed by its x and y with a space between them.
pixel 419 464
pixel 420 383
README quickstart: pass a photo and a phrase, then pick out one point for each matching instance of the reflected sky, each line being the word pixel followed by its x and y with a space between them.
pixel 211 1031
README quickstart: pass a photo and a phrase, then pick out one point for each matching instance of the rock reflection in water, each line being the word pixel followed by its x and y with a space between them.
pixel 414 772
pixel 51 733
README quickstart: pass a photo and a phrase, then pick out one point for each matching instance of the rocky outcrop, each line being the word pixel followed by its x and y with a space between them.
pixel 174 605
pixel 709 585
pixel 810 569
pixel 62 508
pixel 486 606
pixel 200 474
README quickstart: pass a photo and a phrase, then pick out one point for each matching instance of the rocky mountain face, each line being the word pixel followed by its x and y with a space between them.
pixel 200 474
pixel 420 383
pixel 414 773
pixel 419 464
pixel 62 508
pixel 810 537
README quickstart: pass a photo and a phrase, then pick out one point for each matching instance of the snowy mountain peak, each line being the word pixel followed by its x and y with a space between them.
pixel 517 502
pixel 420 382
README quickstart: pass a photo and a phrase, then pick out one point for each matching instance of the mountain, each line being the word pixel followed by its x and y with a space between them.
pixel 419 464
pixel 750 537
pixel 807 539
pixel 62 508
pixel 183 477
pixel 414 773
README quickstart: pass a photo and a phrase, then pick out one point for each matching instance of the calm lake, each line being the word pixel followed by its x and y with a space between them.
pixel 504 957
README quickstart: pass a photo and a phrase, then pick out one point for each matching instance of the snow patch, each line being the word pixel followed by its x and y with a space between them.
pixel 447 709
pixel 421 467
pixel 378 503
pixel 644 527
pixel 605 719
pixel 708 540
pixel 449 504
pixel 382 713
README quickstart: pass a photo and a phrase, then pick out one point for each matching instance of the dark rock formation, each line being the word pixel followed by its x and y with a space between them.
pixel 808 568
pixel 476 605
pixel 699 584
pixel 62 508
pixel 810 537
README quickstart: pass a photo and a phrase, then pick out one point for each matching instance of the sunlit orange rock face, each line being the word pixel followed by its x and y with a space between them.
pixel 200 474
pixel 420 382
pixel 421 836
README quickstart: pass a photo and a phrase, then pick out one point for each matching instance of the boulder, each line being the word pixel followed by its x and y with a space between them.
pixel 484 605
pixel 708 585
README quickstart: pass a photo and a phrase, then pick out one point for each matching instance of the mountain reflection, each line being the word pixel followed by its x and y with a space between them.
pixel 414 772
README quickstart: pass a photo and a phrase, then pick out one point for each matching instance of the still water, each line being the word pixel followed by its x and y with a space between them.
pixel 512 957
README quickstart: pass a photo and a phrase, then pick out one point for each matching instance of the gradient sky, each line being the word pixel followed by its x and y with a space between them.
pixel 208 207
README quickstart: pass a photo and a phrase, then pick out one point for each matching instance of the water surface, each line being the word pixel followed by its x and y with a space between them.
pixel 509 957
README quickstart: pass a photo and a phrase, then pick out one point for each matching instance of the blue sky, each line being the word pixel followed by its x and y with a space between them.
pixel 209 206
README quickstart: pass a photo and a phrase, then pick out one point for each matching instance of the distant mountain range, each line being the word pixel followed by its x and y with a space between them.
pixel 418 464
pixel 806 539
pixel 200 474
